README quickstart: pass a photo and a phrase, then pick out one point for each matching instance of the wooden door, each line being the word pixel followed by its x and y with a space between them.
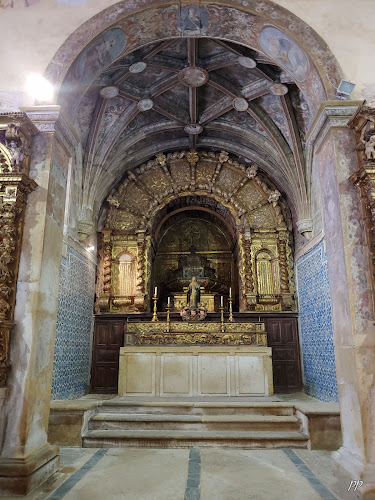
pixel 282 336
pixel 108 338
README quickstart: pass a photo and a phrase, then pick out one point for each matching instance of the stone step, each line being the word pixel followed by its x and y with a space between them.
pixel 142 438
pixel 197 408
pixel 193 422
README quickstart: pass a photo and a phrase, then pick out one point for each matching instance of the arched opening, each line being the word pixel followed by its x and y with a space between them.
pixel 195 242
pixel 162 109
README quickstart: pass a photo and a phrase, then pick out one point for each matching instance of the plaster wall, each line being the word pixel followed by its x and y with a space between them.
pixel 31 36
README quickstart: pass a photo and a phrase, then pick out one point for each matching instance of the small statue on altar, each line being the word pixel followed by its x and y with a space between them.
pixel 193 293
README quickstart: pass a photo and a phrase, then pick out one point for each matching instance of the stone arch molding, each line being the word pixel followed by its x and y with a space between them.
pixel 254 24
pixel 260 217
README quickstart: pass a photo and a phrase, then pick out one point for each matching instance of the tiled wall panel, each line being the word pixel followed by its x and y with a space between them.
pixel 315 325
pixel 71 368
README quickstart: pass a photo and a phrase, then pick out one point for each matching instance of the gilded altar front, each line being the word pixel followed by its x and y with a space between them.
pixel 202 333
pixel 232 214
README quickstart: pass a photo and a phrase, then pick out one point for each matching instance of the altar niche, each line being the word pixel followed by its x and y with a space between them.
pixel 195 244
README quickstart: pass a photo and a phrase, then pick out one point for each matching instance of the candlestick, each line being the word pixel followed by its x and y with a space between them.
pixel 231 309
pixel 155 298
pixel 168 315
pixel 222 318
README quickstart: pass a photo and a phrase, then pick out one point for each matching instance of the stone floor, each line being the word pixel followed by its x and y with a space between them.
pixel 190 474
pixel 196 473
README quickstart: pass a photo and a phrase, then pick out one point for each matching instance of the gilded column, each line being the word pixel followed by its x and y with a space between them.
pixel 287 301
pixel 104 282
pixel 249 294
pixel 140 298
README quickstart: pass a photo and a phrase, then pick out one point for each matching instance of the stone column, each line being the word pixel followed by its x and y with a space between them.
pixel 26 459
pixel 332 145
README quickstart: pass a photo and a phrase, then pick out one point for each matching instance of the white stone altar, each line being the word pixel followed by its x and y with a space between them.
pixel 171 371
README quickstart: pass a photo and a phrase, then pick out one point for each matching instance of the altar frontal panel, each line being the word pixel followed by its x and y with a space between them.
pixel 195 371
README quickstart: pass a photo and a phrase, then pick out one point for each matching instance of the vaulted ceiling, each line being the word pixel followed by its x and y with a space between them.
pixel 196 93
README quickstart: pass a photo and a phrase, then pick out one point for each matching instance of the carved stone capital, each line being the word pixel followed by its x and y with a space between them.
pixel 331 114
pixel 305 227
pixel 84 229
pixel 50 120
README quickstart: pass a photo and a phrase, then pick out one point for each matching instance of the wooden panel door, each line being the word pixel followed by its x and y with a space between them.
pixel 282 336
pixel 108 338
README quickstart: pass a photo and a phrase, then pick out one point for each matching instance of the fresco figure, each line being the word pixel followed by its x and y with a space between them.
pixel 285 52
pixel 192 20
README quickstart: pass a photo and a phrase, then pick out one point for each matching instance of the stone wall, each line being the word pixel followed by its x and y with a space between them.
pixel 315 325
pixel 71 368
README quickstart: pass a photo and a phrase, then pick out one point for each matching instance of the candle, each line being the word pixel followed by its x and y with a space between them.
pixel 230 291
pixel 169 301
pixel 221 301
pixel 156 290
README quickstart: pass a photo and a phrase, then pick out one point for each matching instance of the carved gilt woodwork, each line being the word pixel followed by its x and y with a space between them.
pixel 363 123
pixel 148 333
pixel 15 185
pixel 215 182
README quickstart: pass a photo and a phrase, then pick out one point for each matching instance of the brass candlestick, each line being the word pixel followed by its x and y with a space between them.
pixel 155 316
pixel 231 309
pixel 222 319
pixel 168 318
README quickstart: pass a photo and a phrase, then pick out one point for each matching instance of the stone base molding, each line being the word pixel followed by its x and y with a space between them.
pixel 20 475
pixel 349 466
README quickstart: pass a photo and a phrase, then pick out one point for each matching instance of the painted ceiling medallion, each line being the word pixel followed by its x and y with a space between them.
pixel 240 104
pixel 145 104
pixel 278 89
pixel 247 62
pixel 109 92
pixel 138 67
pixel 193 76
pixel 193 128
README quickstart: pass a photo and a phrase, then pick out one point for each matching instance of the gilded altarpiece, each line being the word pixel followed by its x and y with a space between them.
pixel 231 215
pixel 16 131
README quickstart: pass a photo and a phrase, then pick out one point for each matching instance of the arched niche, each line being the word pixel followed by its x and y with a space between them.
pixel 195 242
pixel 246 208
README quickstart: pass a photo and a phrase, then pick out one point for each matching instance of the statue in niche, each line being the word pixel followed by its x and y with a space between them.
pixel 370 148
pixel 193 295
pixel 16 154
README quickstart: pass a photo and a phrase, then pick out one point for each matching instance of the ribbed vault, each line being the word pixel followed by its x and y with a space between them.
pixel 210 77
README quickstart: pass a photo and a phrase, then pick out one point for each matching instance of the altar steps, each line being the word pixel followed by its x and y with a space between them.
pixel 183 425
pixel 109 421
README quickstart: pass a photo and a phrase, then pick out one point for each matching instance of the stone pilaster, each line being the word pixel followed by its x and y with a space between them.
pixel 332 144
pixel 26 459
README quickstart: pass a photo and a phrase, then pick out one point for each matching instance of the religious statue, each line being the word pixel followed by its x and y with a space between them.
pixel 16 154
pixel 370 147
pixel 193 293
